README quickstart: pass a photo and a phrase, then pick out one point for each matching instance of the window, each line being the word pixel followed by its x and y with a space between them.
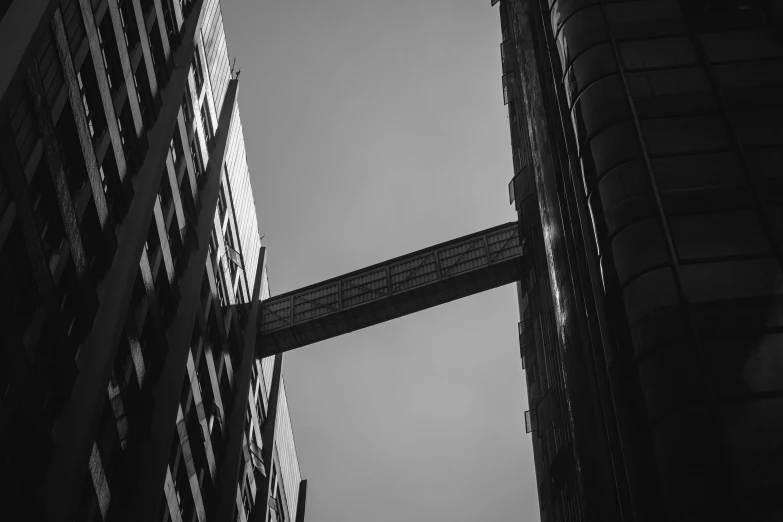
pixel 196 157
pixel 173 151
pixel 85 104
pixel 198 76
pixel 122 133
pixel 127 20
pixel 187 110
pixel 109 54
pixel 206 121
pixel 104 182
pixel 222 205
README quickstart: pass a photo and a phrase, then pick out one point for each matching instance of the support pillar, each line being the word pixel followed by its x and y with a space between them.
pixel 302 502
pixel 152 459
pixel 268 441
pixel 74 431
pixel 233 464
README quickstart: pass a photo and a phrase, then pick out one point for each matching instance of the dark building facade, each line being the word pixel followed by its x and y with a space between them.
pixel 132 273
pixel 647 141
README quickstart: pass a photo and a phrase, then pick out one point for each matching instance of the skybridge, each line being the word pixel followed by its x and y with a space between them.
pixel 401 286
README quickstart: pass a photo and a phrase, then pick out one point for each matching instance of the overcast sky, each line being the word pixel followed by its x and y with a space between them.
pixel 375 128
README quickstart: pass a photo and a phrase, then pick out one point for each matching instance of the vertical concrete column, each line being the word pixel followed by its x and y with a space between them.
pixel 233 464
pixel 75 430
pixel 302 502
pixel 164 38
pixel 127 71
pixel 85 140
pixel 43 116
pixel 152 458
pixel 267 451
pixel 145 46
pixel 103 86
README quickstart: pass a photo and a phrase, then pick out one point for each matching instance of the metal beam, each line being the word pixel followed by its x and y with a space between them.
pixel 407 284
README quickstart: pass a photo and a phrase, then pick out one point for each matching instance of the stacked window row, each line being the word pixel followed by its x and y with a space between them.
pixel 74 139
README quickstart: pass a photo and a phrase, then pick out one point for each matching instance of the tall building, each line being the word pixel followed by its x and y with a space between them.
pixel 132 273
pixel 648 156
pixel 141 373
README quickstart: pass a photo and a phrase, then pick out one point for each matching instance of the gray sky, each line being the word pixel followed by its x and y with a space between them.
pixel 375 128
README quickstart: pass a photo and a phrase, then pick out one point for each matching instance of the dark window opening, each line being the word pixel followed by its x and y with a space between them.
pixel 109 54
pixel 158 57
pixel 71 152
pixel 130 30
pixel 91 100
pixel 198 74
pixel 206 122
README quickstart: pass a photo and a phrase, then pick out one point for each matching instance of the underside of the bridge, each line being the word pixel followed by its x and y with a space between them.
pixel 385 291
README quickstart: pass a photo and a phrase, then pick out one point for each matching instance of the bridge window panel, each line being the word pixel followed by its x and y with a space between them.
pixel 504 244
pixel 364 288
pixel 460 258
pixel 316 303
pixel 277 314
pixel 412 273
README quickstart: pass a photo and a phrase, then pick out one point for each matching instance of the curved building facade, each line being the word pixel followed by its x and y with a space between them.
pixel 649 156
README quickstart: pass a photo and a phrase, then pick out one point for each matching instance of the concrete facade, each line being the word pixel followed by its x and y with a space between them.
pixel 129 251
